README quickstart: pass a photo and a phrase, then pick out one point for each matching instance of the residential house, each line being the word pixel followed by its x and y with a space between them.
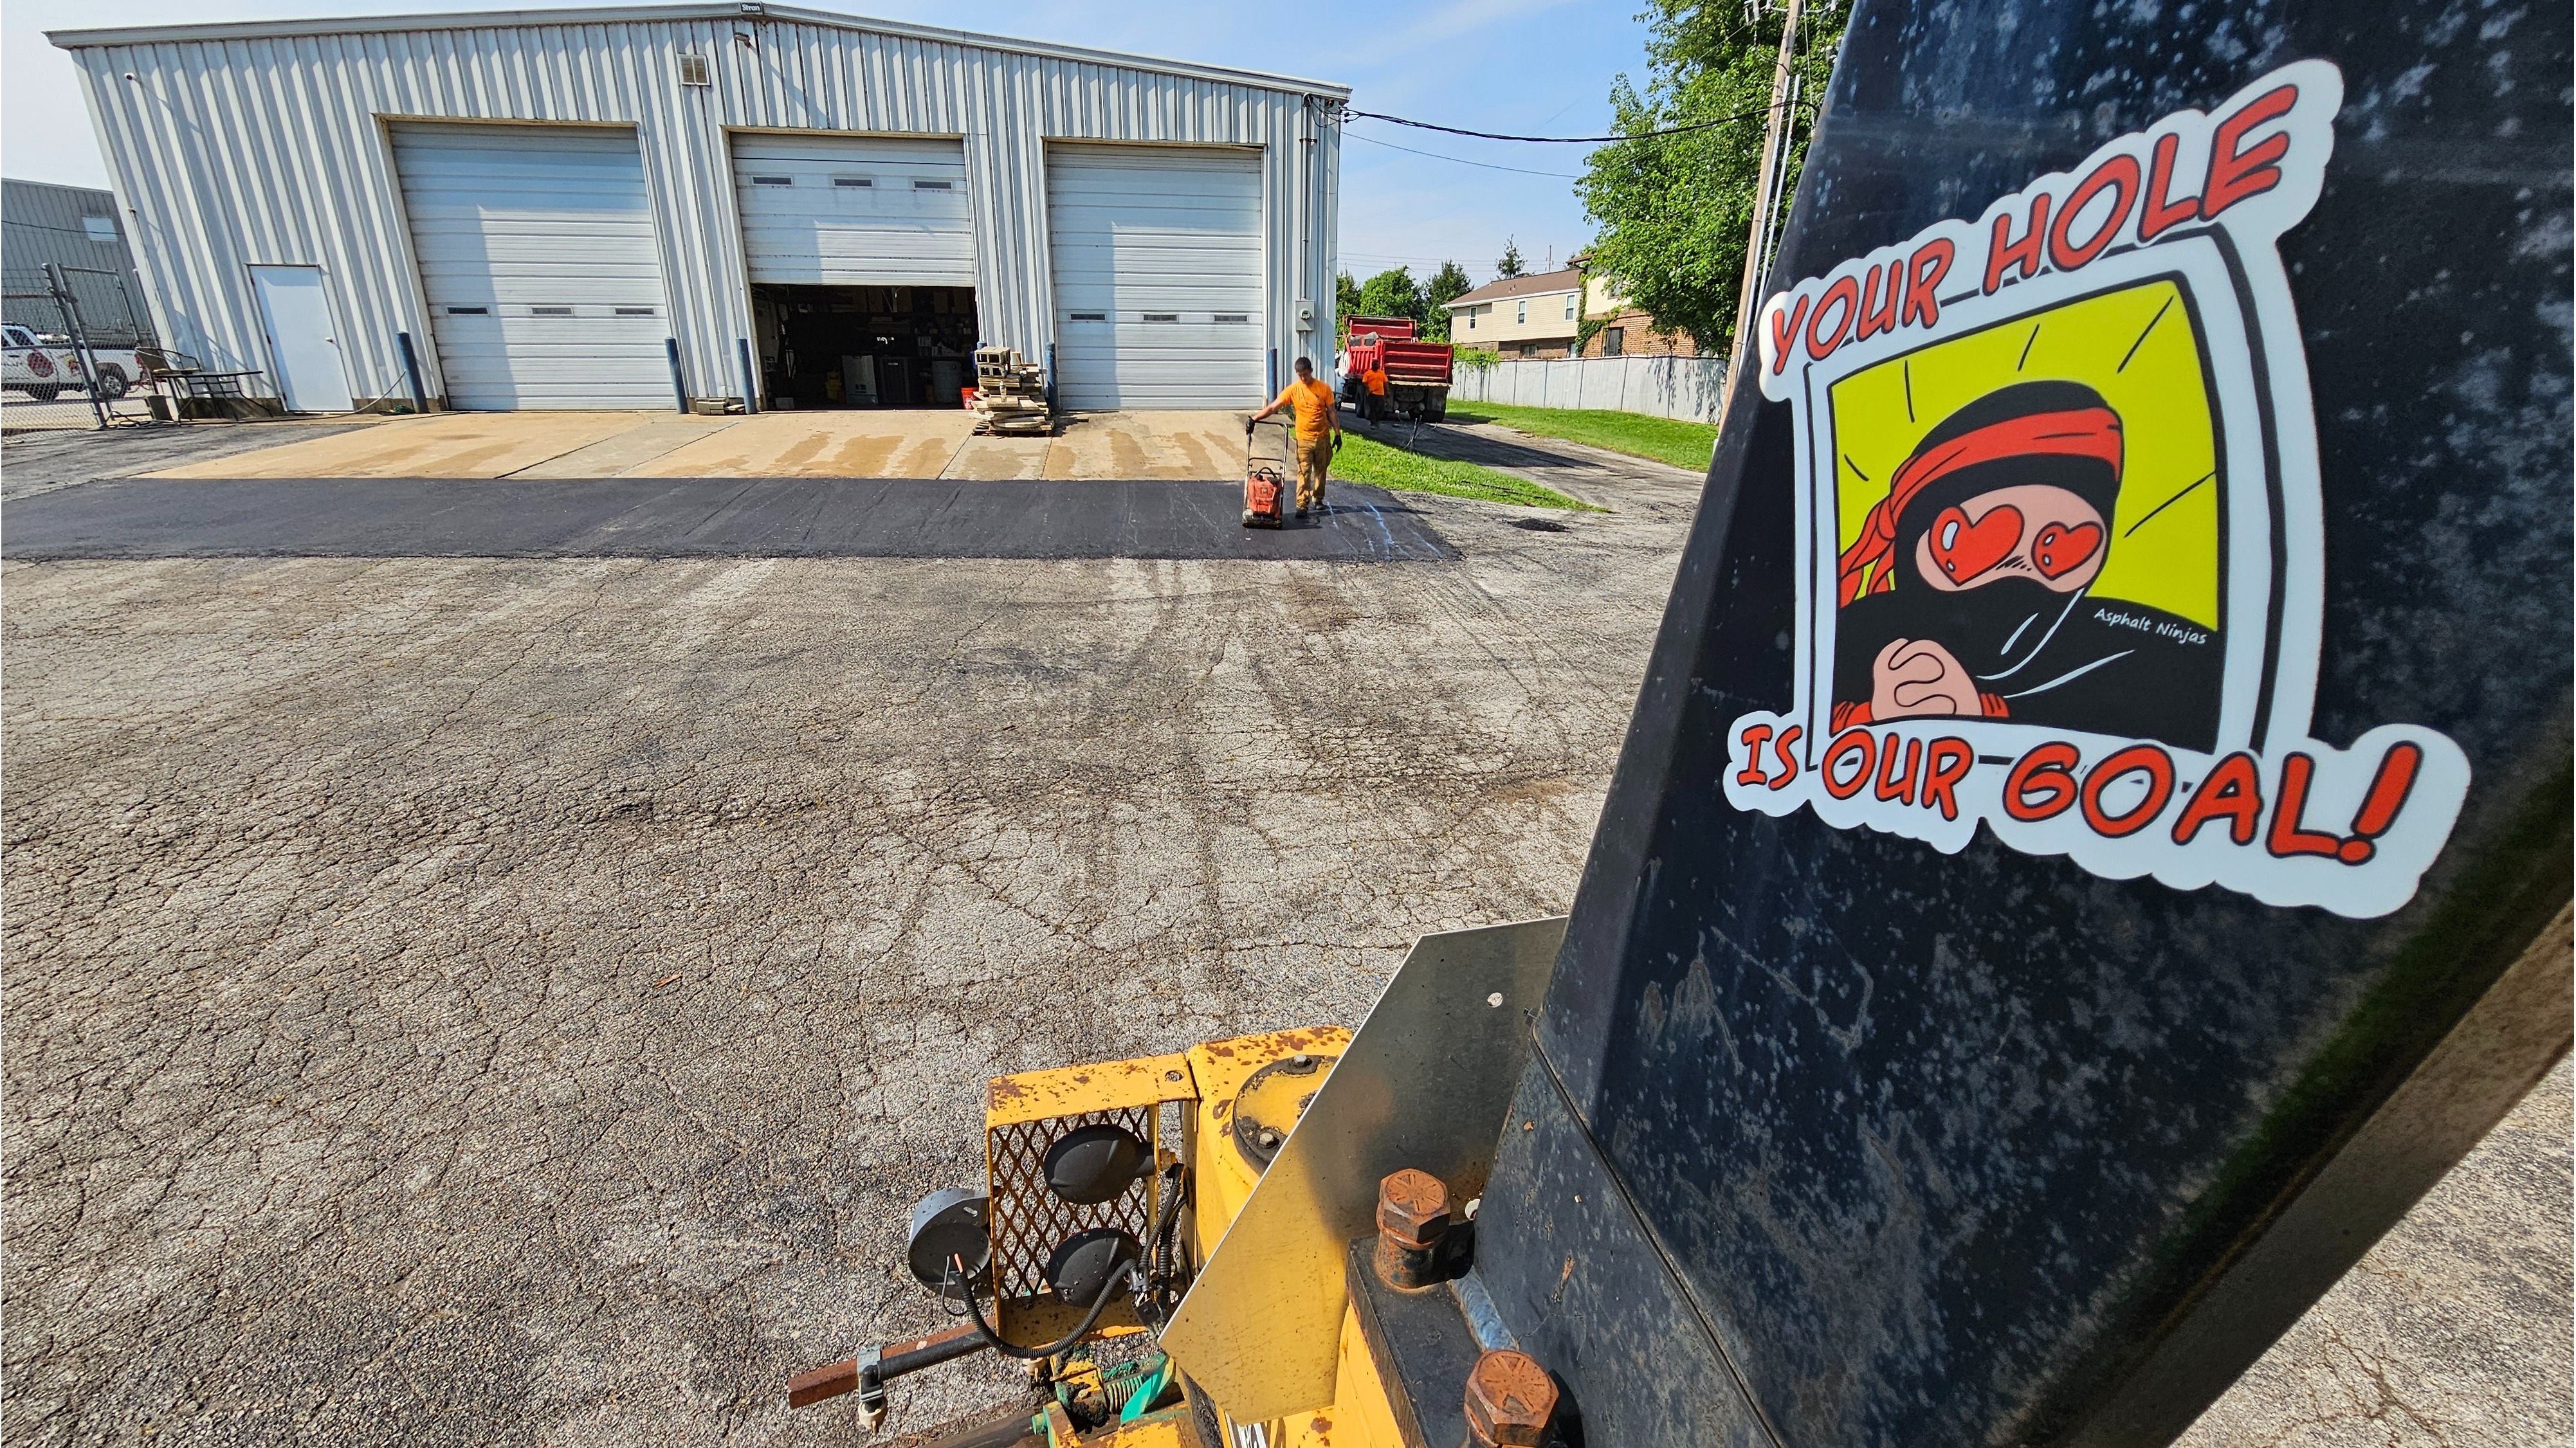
pixel 1624 331
pixel 1523 316
pixel 1544 315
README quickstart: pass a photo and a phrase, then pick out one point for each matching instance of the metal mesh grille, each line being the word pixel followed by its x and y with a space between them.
pixel 1029 1220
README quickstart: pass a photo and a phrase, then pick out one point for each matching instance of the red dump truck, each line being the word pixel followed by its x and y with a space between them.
pixel 1417 372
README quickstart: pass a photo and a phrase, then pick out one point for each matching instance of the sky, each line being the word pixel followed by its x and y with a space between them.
pixel 1526 67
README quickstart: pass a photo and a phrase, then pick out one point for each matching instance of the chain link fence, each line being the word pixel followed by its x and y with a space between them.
pixel 66 326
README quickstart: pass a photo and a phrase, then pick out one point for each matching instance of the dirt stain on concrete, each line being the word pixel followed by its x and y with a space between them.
pixel 1127 456
pixel 1196 460
pixel 792 460
pixel 926 458
pixel 858 457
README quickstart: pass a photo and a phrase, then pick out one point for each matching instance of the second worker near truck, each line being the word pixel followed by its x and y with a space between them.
pixel 1318 432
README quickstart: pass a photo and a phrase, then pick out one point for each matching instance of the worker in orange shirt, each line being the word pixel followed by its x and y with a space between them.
pixel 1319 432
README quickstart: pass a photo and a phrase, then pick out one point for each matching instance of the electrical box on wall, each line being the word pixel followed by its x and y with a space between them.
pixel 1305 315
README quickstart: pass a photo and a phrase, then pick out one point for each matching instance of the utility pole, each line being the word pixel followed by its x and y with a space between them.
pixel 1775 146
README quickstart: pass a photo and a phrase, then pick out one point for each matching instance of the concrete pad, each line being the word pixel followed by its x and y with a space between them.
pixel 1001 459
pixel 442 445
pixel 634 447
pixel 1149 445
pixel 822 445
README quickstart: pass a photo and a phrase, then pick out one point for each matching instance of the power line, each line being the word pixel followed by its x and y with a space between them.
pixel 1560 140
pixel 1461 160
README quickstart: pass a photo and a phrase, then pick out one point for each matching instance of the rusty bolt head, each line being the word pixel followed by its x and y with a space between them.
pixel 1509 1400
pixel 1412 1209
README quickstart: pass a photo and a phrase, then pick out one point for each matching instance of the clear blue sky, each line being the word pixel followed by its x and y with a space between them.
pixel 1523 66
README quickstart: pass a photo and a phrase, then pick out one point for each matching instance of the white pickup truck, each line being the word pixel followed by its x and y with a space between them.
pixel 45 367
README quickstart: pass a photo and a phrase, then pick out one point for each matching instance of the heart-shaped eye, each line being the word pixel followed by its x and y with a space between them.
pixel 2061 548
pixel 1962 550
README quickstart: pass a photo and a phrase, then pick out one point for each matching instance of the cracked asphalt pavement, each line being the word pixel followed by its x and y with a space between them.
pixel 506 1002
pixel 462 1001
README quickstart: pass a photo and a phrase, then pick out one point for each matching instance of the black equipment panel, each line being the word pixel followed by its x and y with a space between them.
pixel 1904 1146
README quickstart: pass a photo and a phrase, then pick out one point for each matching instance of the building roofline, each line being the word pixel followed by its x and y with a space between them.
pixel 1531 284
pixel 628 14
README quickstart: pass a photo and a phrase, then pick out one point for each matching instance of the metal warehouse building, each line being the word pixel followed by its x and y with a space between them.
pixel 561 208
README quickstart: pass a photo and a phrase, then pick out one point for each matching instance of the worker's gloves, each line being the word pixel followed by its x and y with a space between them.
pixel 1248 424
pixel 1337 441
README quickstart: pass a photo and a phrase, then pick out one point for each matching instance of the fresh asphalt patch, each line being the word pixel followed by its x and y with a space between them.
pixel 698 518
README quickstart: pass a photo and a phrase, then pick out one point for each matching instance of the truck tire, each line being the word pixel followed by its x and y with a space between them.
pixel 112 383
pixel 1438 411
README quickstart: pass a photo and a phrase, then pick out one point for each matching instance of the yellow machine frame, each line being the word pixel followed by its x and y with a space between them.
pixel 1035 1106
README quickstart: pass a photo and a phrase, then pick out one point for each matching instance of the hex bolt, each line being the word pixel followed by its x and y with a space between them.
pixel 1412 1208
pixel 1412 1219
pixel 1509 1400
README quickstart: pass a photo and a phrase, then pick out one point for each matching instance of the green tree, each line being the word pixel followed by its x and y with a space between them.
pixel 1446 285
pixel 1391 294
pixel 1510 264
pixel 1675 211
pixel 1346 300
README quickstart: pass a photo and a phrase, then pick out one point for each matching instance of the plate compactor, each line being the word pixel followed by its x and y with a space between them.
pixel 1265 485
pixel 1812 1124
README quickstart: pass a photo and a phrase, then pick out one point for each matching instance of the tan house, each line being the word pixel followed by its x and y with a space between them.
pixel 1542 315
pixel 1524 316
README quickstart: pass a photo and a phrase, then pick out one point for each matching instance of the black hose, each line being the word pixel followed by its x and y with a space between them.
pixel 1118 1276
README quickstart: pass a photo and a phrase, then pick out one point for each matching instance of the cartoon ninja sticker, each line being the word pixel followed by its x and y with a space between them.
pixel 2061 534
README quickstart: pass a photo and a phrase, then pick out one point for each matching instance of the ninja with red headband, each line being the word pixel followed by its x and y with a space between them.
pixel 1966 593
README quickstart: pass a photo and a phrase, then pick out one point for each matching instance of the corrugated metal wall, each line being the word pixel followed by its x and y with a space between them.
pixel 40 223
pixel 235 151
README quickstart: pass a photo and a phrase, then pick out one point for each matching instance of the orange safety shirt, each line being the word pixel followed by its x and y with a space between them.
pixel 1375 377
pixel 1312 401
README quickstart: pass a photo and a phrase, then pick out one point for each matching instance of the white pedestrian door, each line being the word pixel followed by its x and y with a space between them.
pixel 539 263
pixel 301 338
pixel 1156 253
pixel 854 211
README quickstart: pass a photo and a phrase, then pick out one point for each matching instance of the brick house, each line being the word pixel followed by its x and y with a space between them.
pixel 1625 331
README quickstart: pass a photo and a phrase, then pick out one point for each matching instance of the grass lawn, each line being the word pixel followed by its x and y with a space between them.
pixel 1366 460
pixel 1664 439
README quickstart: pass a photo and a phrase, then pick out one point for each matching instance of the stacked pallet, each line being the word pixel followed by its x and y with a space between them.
pixel 1010 394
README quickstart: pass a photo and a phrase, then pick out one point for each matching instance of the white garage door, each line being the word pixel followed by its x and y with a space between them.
pixel 1157 258
pixel 855 211
pixel 537 253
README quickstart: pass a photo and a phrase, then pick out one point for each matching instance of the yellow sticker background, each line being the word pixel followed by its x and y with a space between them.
pixel 2172 560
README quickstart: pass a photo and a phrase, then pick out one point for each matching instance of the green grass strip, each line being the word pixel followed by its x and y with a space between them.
pixel 1366 460
pixel 1663 439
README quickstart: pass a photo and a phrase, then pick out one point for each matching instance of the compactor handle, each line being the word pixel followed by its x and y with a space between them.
pixel 869 1372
